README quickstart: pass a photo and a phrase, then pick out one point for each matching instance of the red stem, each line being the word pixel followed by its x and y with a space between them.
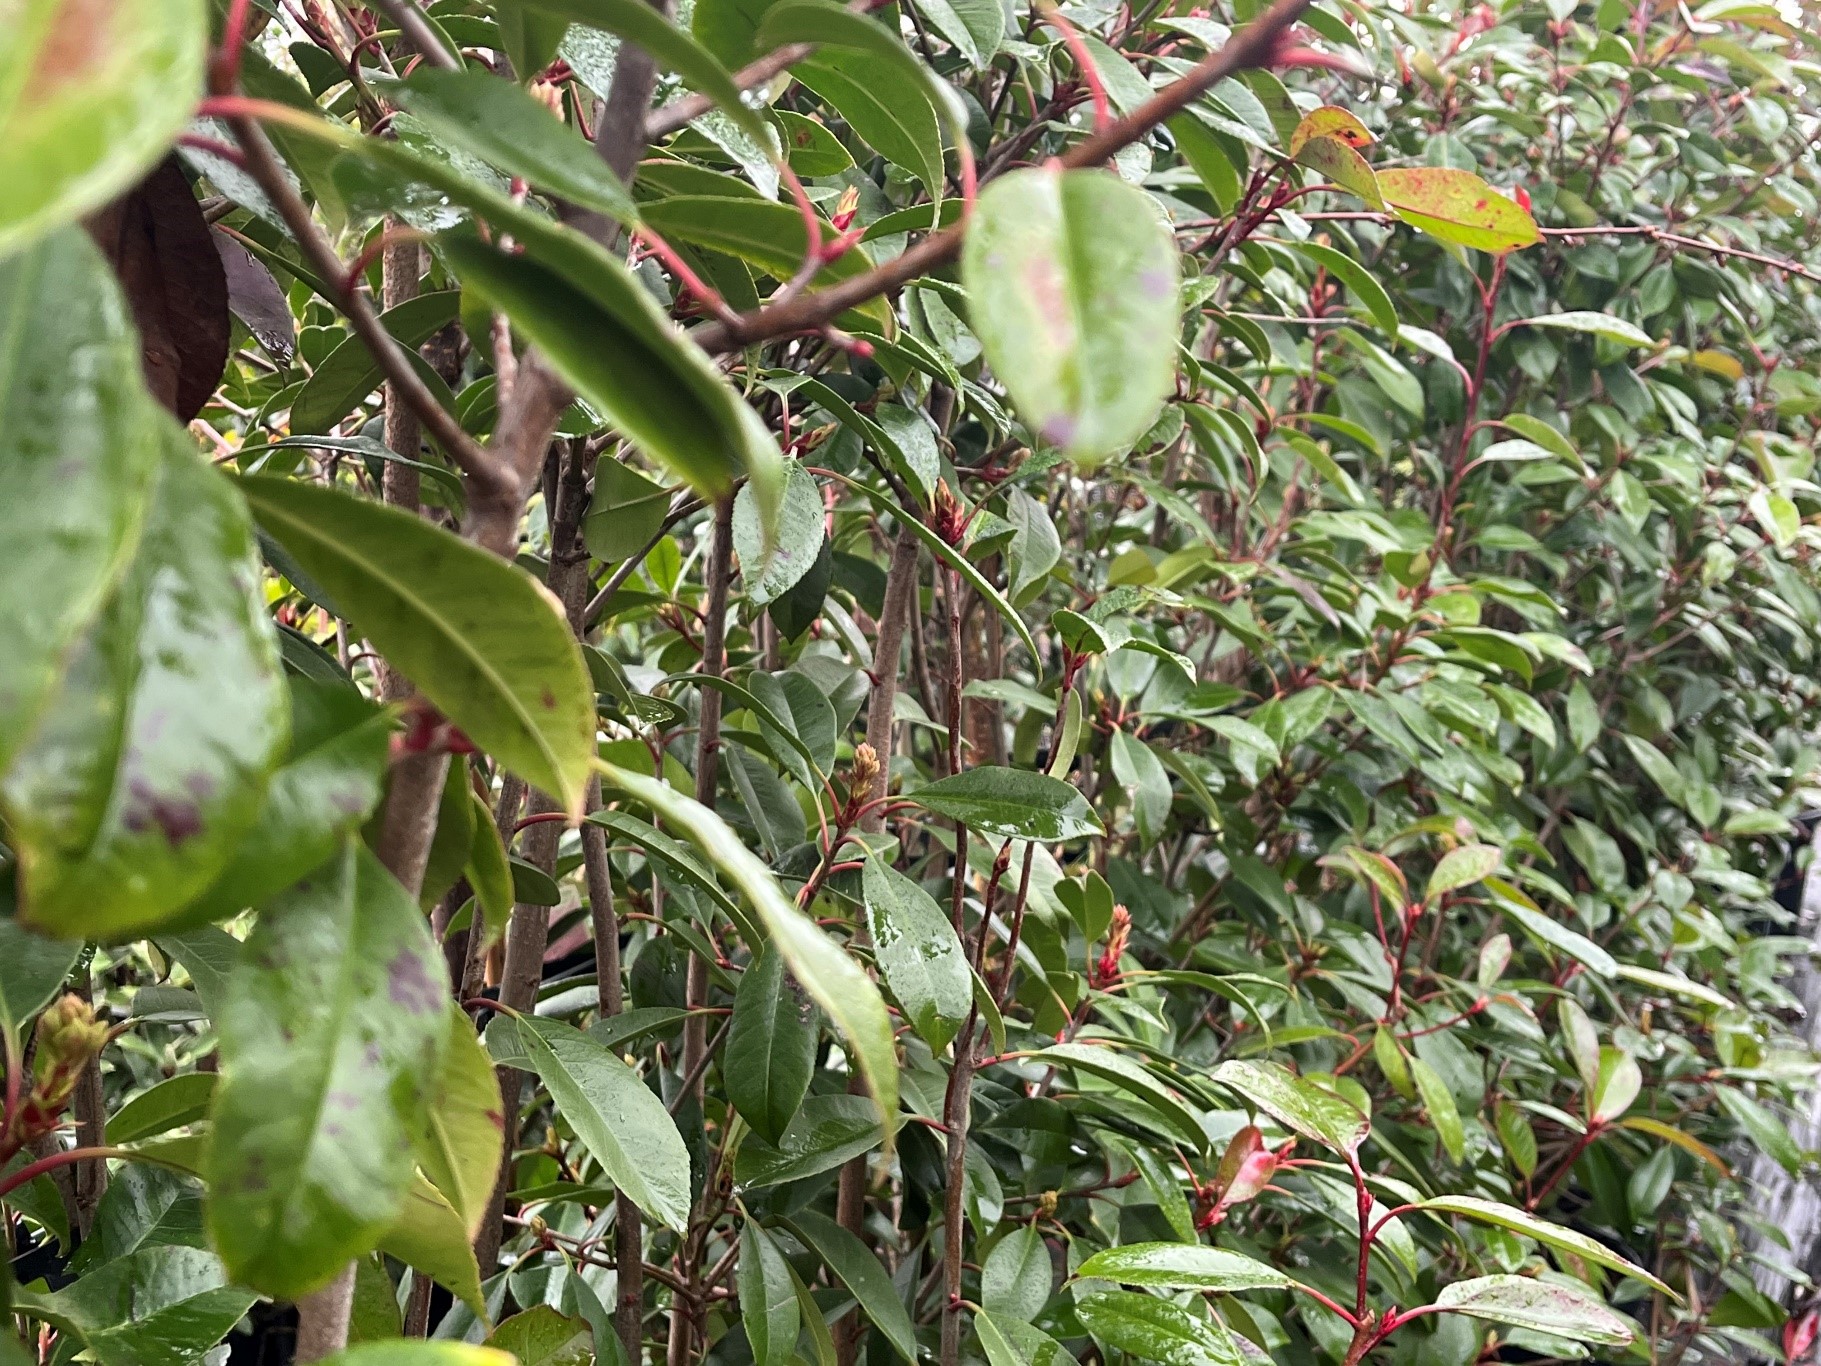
pixel 33 1170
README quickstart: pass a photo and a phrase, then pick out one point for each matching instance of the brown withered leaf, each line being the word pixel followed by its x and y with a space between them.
pixel 161 249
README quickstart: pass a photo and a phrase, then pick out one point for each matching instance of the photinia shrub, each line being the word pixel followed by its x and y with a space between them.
pixel 768 682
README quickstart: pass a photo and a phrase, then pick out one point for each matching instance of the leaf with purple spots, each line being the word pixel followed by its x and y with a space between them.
pixel 151 762
pixel 1072 289
pixel 332 1034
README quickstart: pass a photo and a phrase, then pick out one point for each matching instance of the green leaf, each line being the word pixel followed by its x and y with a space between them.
pixel 1438 1102
pixel 1595 324
pixel 859 1270
pixel 429 1236
pixel 1522 909
pixel 144 1206
pixel 91 97
pixel 33 970
pixel 1298 1105
pixel 78 458
pixel 1616 1086
pixel 772 566
pixel 544 1336
pixel 828 1131
pixel 620 1122
pixel 1011 1342
pixel 768 235
pixel 1017 1277
pixel 768 1300
pixel 625 512
pixel 1542 1306
pixel 1366 290
pixel 886 106
pixel 1181 1266
pixel 1035 547
pixel 349 373
pixel 1071 279
pixel 1552 1235
pixel 140 780
pixel 332 1031
pixel 771 1048
pixel 1137 768
pixel 328 784
pixel 1155 1330
pixel 1462 867
pixel 1517 1138
pixel 918 953
pixel 1330 121
pixel 460 1150
pixel 1768 1133
pixel 485 642
pixel 159 1306
pixel 1131 1078
pixel 605 335
pixel 171 1104
pixel 832 979
pixel 638 22
pixel 1458 207
pixel 489 872
pixel 503 123
pixel 1011 803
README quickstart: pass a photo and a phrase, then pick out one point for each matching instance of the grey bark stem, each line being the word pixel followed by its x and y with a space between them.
pixel 323 1317
pixel 708 752
pixel 900 605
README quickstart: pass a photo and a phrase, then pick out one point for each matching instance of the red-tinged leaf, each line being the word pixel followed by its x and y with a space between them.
pixel 1458 207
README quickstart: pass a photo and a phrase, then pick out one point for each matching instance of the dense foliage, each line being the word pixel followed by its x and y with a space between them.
pixel 1117 682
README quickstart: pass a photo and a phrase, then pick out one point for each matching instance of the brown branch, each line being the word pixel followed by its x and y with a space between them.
pixel 263 165
pixel 1252 46
pixel 418 32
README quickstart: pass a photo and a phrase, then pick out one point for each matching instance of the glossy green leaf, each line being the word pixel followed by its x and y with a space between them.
pixel 503 124
pixel 172 1103
pixel 625 512
pixel 91 96
pixel 78 459
pixel 621 1123
pixel 1156 1330
pixel 332 1031
pixel 1438 1103
pixel 1011 803
pixel 1541 1306
pixel 142 777
pixel 1531 1226
pixel 429 1236
pixel 1458 207
pixel 484 641
pixel 887 106
pixel 328 784
pixel 918 953
pixel 1360 282
pixel 770 236
pixel 1594 324
pixel 349 373
pixel 1462 867
pixel 772 566
pixel 827 1131
pixel 1012 1342
pixel 489 873
pixel 144 1206
pixel 1181 1266
pixel 859 1270
pixel 1017 1277
pixel 1132 1079
pixel 33 970
pixel 832 979
pixel 460 1150
pixel 768 1300
pixel 1298 1105
pixel 544 1336
pixel 1072 286
pixel 638 22
pixel 771 1048
pixel 603 333
pixel 159 1306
